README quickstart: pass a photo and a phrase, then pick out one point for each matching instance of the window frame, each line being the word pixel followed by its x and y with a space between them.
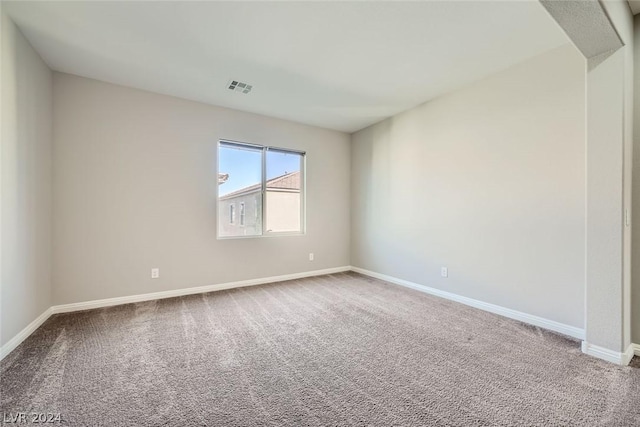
pixel 303 190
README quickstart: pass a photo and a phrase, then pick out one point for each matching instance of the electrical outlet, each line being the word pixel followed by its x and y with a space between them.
pixel 444 271
pixel 311 256
pixel 155 273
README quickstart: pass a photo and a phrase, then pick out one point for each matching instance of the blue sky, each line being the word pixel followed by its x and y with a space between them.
pixel 244 167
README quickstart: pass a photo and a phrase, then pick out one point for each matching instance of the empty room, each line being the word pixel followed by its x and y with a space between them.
pixel 320 213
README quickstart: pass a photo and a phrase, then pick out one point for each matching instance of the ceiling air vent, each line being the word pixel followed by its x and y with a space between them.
pixel 237 86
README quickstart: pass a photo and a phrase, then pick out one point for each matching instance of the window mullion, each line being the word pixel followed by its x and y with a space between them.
pixel 264 190
pixel 303 194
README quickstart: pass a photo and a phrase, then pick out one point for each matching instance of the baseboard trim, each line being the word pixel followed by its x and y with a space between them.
pixel 506 312
pixel 14 342
pixel 636 349
pixel 562 328
pixel 108 302
pixel 617 357
pixel 628 355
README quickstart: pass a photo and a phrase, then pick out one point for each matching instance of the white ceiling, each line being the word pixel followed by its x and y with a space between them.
pixel 635 6
pixel 339 65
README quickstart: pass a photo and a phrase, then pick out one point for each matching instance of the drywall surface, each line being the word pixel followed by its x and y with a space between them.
pixel 609 165
pixel 629 89
pixel 488 181
pixel 604 204
pixel 135 182
pixel 635 273
pixel 25 183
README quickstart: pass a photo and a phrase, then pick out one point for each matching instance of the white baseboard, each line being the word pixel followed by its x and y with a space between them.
pixel 108 302
pixel 571 331
pixel 636 349
pixel 627 355
pixel 603 353
pixel 23 334
pixel 617 357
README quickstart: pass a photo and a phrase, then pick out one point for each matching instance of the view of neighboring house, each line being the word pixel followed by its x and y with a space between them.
pixel 240 212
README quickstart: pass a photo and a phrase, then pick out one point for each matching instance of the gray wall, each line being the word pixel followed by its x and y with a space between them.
pixel 489 181
pixel 25 183
pixel 135 184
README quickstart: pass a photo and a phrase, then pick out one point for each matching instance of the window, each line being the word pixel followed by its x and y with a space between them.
pixel 267 184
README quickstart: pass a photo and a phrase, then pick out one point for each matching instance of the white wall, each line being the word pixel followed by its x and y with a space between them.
pixel 626 25
pixel 635 274
pixel 489 181
pixel 135 186
pixel 609 163
pixel 25 183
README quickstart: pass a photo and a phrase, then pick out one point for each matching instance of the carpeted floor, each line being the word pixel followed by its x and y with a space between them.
pixel 336 350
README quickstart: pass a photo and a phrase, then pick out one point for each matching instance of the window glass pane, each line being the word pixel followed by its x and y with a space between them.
pixel 283 191
pixel 239 185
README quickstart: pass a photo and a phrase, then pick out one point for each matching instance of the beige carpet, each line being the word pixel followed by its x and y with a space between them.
pixel 336 350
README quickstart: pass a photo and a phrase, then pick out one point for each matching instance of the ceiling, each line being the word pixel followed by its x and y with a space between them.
pixel 338 65
pixel 635 6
